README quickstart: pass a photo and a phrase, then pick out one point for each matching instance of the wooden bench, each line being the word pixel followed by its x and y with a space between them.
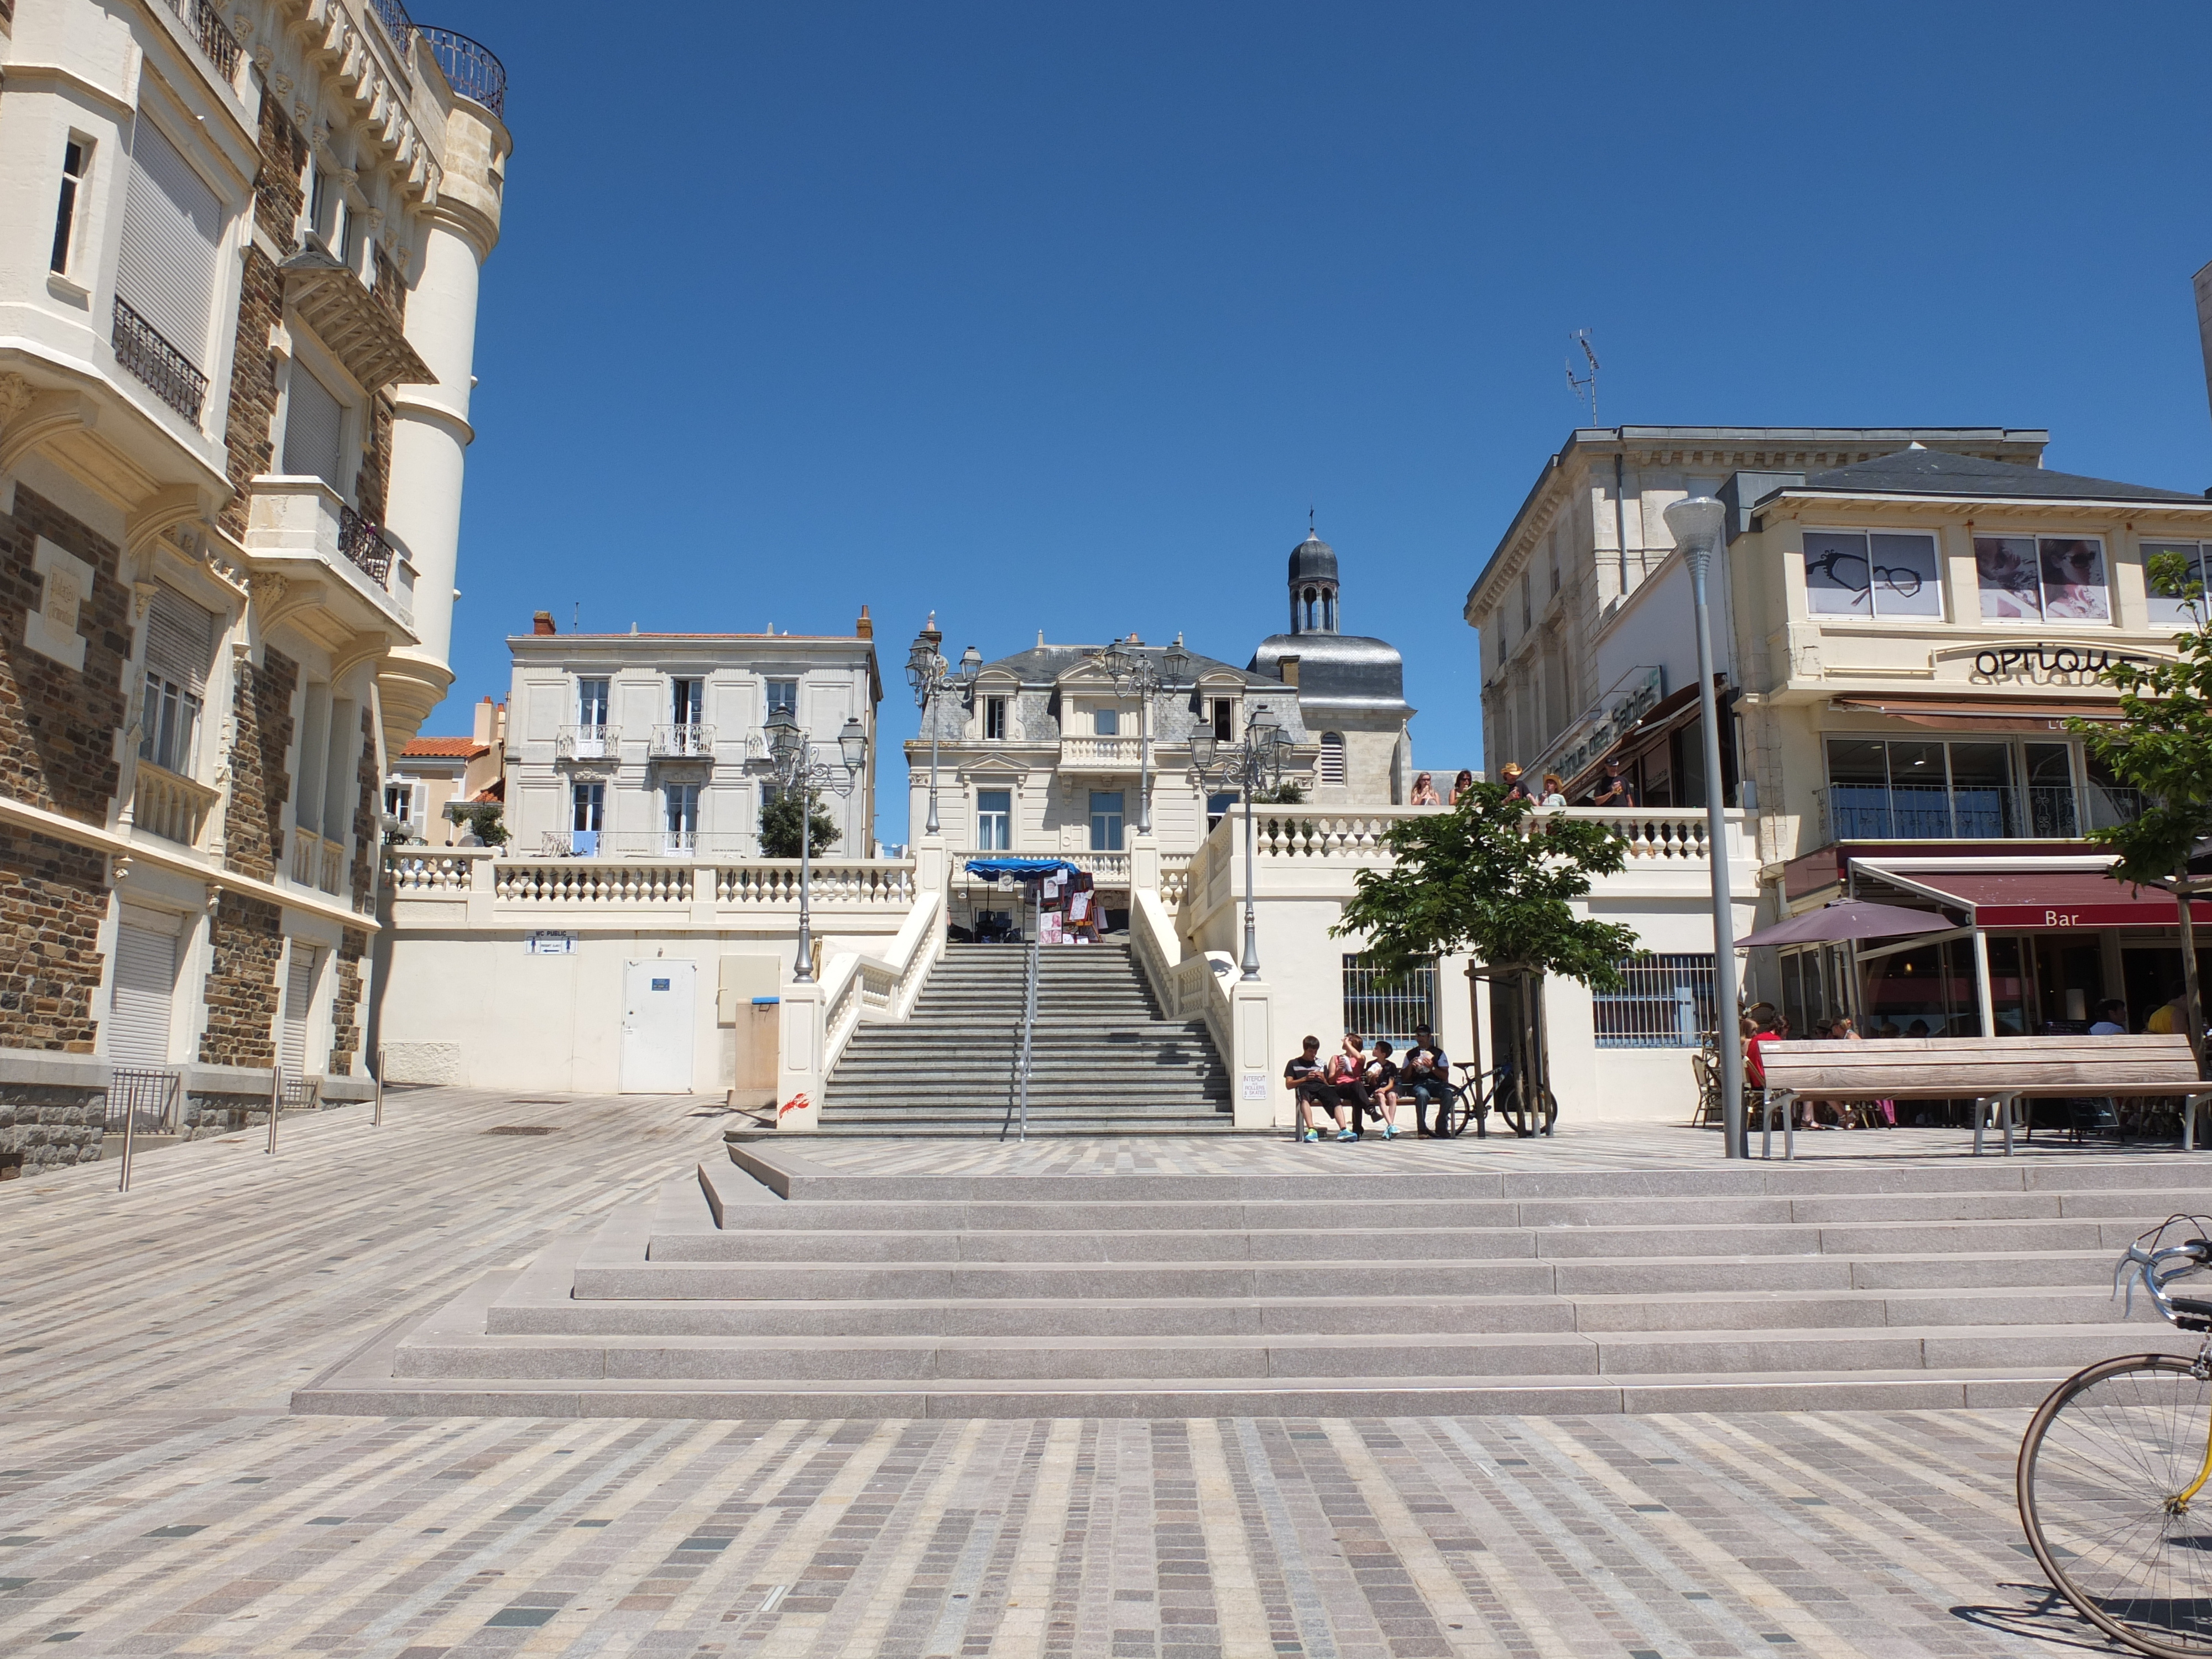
pixel 1995 1073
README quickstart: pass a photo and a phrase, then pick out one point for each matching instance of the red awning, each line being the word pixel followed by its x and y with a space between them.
pixel 2043 898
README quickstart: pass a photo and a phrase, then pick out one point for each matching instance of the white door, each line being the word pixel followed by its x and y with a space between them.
pixel 658 999
pixel 299 998
pixel 145 989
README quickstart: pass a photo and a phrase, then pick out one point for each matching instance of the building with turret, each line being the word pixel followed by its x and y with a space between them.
pixel 1351 688
pixel 238 250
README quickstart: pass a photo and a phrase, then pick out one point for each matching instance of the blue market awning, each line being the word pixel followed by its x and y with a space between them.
pixel 1019 869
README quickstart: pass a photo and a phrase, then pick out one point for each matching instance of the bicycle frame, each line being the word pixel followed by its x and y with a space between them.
pixel 2156 1270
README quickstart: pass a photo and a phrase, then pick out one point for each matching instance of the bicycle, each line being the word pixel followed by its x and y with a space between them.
pixel 2114 1468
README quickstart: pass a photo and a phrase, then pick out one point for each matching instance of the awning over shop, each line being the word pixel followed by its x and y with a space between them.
pixel 1677 708
pixel 2079 897
pixel 1986 714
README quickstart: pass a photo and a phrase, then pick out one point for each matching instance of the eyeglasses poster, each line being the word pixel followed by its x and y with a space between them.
pixel 1853 575
pixel 2042 578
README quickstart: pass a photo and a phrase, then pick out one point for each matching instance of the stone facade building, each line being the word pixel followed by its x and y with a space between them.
pixel 238 258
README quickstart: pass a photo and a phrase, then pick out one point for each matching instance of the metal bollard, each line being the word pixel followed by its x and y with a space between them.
pixel 377 1121
pixel 276 1103
pixel 130 1118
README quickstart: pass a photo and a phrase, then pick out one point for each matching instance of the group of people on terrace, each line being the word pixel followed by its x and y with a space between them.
pixel 1356 1086
pixel 1612 790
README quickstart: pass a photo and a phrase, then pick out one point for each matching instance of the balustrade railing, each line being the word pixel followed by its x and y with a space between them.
pixel 413 873
pixel 176 808
pixel 576 881
pixel 469 68
pixel 581 742
pixel 316 861
pixel 1175 879
pixel 775 882
pixel 167 373
pixel 682 743
pixel 1091 751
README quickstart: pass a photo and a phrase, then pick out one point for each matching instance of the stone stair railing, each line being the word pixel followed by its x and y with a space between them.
pixel 819 1019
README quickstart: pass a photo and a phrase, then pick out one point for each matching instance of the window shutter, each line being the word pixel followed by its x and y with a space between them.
pixel 314 422
pixel 172 228
pixel 179 641
pixel 418 805
pixel 299 996
pixel 1332 759
pixel 145 992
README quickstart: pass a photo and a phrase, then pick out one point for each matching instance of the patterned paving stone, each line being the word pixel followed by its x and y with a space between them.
pixel 156 1499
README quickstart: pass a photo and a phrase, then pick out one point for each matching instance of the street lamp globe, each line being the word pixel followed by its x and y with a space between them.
pixel 853 741
pixel 1697 522
pixel 782 735
pixel 1175 663
pixel 1202 747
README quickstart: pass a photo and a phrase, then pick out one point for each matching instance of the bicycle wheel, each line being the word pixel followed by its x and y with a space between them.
pixel 2101 1475
pixel 1465 1109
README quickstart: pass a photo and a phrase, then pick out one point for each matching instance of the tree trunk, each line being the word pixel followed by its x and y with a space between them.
pixel 2184 892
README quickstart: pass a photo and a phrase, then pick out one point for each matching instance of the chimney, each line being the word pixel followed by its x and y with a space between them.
pixel 865 628
pixel 542 622
pixel 480 729
pixel 1288 668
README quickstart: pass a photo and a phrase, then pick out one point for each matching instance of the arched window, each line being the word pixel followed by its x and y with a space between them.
pixel 1332 757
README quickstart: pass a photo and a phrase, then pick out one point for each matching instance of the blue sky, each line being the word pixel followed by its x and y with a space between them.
pixel 1061 317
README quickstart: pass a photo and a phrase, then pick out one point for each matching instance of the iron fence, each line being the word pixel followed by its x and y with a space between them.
pixel 1667 1003
pixel 470 69
pixel 364 545
pixel 1376 1004
pixel 140 349
pixel 141 1101
pixel 213 35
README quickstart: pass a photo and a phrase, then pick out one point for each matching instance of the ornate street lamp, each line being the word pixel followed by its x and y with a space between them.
pixel 1697 523
pixel 1256 763
pixel 790 752
pixel 931 676
pixel 1135 675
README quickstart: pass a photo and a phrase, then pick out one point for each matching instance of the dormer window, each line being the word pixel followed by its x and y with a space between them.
pixel 1105 722
pixel 1223 713
pixel 994 720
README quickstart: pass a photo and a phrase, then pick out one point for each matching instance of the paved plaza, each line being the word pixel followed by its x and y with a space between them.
pixel 157 1497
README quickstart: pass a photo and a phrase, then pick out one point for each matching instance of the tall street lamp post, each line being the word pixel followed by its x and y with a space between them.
pixel 1697 523
pixel 931 676
pixel 1135 675
pixel 1255 763
pixel 792 752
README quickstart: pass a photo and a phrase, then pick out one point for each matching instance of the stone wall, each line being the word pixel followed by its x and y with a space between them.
pixel 53 896
pixel 43 1128
pixel 369 804
pixel 345 1003
pixel 277 203
pixel 248 942
pixel 260 782
pixel 58 724
pixel 369 483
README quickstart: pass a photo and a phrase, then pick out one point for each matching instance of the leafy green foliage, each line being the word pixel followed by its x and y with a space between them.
pixel 779 825
pixel 1485 879
pixel 2162 744
pixel 1280 794
pixel 483 819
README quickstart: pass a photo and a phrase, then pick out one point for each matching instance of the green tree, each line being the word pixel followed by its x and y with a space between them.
pixel 779 825
pixel 1492 881
pixel 2161 746
pixel 485 818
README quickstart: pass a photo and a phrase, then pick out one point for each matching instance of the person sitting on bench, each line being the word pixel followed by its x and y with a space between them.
pixel 1316 1097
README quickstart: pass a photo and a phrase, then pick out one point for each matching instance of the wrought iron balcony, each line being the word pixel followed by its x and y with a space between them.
pixel 469 68
pixel 682 743
pixel 213 35
pixel 364 544
pixel 166 371
pixel 588 742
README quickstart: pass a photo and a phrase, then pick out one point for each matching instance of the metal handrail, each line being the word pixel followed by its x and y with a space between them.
pixel 363 543
pixel 1022 1055
pixel 469 68
pixel 140 1092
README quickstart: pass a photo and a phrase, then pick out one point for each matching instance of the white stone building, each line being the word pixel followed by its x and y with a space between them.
pixel 652 745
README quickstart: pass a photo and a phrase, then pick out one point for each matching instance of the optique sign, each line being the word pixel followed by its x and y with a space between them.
pixel 2045 662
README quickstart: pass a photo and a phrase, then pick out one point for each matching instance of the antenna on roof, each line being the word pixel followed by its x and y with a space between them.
pixel 1309 523
pixel 1584 386
pixel 576 621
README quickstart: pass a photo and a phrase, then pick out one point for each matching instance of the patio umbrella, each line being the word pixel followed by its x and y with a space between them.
pixel 1849 919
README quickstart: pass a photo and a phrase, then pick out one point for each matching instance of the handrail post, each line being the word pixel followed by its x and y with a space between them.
pixel 129 1117
pixel 276 1102
pixel 377 1121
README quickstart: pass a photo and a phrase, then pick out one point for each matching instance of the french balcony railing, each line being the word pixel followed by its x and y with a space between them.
pixel 682 743
pixel 167 371
pixel 176 808
pixel 469 68
pixel 2041 811
pixel 213 35
pixel 364 544
pixel 587 743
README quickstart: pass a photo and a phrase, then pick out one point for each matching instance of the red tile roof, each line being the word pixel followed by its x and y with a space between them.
pixel 445 749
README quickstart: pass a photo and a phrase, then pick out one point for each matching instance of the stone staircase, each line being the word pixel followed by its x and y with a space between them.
pixel 1102 1061
pixel 775 1286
